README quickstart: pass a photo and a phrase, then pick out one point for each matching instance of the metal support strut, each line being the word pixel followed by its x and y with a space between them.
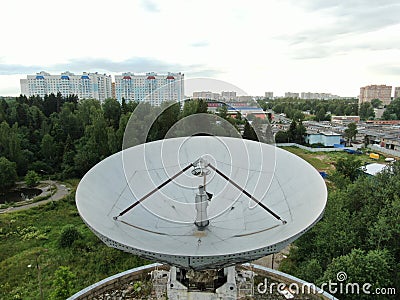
pixel 153 191
pixel 247 194
pixel 200 169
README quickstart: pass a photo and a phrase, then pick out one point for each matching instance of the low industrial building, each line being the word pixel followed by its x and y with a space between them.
pixel 328 139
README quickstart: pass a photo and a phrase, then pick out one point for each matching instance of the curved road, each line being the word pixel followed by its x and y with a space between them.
pixel 61 192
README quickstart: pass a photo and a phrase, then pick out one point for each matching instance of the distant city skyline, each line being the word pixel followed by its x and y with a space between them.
pixel 279 46
pixel 133 87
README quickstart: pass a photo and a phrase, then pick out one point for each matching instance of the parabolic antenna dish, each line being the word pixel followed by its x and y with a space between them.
pixel 142 200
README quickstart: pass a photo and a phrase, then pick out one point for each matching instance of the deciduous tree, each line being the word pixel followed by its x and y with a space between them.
pixel 366 111
pixel 350 132
pixel 8 173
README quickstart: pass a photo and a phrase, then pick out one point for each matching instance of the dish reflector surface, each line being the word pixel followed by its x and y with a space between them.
pixel 162 226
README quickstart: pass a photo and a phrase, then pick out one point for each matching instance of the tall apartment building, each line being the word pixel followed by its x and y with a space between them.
pixel 228 95
pixel 269 95
pixel 113 90
pixel 370 92
pixel 151 87
pixel 396 92
pixel 292 95
pixel 85 86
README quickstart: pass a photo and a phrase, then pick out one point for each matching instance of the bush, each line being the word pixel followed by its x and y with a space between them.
pixel 32 178
pixel 69 234
pixel 63 283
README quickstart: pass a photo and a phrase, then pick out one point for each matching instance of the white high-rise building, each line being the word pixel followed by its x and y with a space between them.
pixel 151 87
pixel 85 86
pixel 24 87
pixel 320 96
pixel 228 95
pixel 269 95
pixel 292 95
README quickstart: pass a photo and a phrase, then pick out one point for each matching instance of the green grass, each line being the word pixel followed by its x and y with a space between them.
pixel 31 236
pixel 324 161
pixel 319 160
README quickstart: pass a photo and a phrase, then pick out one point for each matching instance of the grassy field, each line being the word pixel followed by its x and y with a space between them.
pixel 324 161
pixel 30 238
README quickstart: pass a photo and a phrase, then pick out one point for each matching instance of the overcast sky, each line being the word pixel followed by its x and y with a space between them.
pixel 267 45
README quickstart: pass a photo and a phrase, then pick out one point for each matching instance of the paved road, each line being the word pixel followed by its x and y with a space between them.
pixel 62 191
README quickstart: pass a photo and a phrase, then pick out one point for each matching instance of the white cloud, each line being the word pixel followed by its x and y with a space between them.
pixel 288 45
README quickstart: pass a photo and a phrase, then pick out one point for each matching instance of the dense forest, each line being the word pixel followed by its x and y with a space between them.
pixel 64 137
pixel 60 135
pixel 359 233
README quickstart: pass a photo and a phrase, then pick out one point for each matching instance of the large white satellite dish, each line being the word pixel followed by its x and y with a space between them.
pixel 146 200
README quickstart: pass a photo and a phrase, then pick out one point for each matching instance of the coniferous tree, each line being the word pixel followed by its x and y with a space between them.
pixel 249 133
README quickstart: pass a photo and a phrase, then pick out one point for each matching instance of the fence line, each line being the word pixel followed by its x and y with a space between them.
pixel 384 150
pixel 372 147
pixel 311 149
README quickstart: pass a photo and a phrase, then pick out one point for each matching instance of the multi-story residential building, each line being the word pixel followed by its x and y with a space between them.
pixel 291 95
pixel 370 92
pixel 320 96
pixel 228 95
pixel 113 90
pixel 151 87
pixel 24 87
pixel 396 92
pixel 85 86
pixel 206 95
pixel 308 95
pixel 269 95
pixel 245 98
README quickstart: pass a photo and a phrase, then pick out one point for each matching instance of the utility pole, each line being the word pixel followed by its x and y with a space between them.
pixel 39 276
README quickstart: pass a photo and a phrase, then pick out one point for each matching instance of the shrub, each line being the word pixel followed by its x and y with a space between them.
pixel 63 283
pixel 32 178
pixel 69 234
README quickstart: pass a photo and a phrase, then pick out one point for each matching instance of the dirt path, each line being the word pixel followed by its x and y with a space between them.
pixel 61 192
